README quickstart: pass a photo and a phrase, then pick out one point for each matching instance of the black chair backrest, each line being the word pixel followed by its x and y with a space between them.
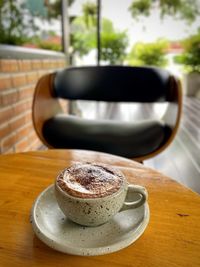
pixel 113 83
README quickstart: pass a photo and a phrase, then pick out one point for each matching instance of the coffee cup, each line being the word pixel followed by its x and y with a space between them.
pixel 91 194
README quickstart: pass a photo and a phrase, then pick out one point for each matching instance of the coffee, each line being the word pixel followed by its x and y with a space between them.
pixel 92 193
pixel 90 180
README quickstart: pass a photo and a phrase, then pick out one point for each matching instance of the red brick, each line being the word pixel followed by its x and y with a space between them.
pixel 55 64
pixel 8 142
pixel 19 107
pixel 9 97
pixel 28 116
pixel 22 145
pixel 16 129
pixel 26 92
pixel 62 64
pixel 4 131
pixel 11 136
pixel 22 106
pixel 46 64
pixel 51 64
pixel 5 82
pixel 9 65
pixel 9 151
pixel 18 80
pixel 32 137
pixel 35 143
pixel 24 131
pixel 6 114
pixel 29 103
pixel 24 65
pixel 32 77
pixel 18 122
pixel 36 64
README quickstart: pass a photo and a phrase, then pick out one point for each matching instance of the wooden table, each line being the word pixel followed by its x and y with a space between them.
pixel 172 237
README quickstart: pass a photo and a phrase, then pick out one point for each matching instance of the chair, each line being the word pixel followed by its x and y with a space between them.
pixel 135 140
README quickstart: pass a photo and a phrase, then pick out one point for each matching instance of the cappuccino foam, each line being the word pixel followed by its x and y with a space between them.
pixel 90 180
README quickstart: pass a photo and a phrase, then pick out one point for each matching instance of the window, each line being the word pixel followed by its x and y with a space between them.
pixel 34 24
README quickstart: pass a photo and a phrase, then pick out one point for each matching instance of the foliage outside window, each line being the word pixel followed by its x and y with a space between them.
pixel 19 26
pixel 21 23
pixel 154 53
pixel 186 10
pixel 83 36
pixel 190 58
pixel 113 43
pixel 149 54
pixel 15 22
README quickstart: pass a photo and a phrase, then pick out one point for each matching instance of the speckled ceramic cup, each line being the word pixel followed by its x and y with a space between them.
pixel 99 210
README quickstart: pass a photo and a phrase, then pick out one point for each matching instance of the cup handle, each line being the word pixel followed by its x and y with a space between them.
pixel 137 189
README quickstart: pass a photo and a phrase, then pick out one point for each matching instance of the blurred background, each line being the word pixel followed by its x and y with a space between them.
pixel 38 37
pixel 133 32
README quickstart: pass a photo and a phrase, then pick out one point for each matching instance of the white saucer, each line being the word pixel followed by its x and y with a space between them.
pixel 58 232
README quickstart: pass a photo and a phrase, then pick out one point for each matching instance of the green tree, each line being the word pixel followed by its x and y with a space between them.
pixel 83 37
pixel 15 22
pixel 113 43
pixel 190 58
pixel 54 8
pixel 150 54
pixel 49 43
pixel 182 9
pixel 90 13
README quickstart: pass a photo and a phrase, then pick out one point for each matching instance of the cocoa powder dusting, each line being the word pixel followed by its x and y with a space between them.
pixel 90 180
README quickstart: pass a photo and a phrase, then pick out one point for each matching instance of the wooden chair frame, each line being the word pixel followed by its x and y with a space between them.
pixel 44 96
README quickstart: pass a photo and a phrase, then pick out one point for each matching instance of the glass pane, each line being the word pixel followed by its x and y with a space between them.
pixel 83 25
pixel 163 34
pixel 134 32
pixel 35 24
pixel 154 30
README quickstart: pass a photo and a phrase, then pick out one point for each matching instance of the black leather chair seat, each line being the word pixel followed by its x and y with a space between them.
pixel 64 131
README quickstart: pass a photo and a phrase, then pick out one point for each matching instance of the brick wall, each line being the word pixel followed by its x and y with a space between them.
pixel 17 82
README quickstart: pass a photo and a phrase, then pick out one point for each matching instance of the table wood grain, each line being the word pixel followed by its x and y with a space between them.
pixel 172 237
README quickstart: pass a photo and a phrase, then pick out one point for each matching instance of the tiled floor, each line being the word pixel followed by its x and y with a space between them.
pixel 181 160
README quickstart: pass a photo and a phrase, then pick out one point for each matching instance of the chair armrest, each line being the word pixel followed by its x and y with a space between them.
pixel 44 97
